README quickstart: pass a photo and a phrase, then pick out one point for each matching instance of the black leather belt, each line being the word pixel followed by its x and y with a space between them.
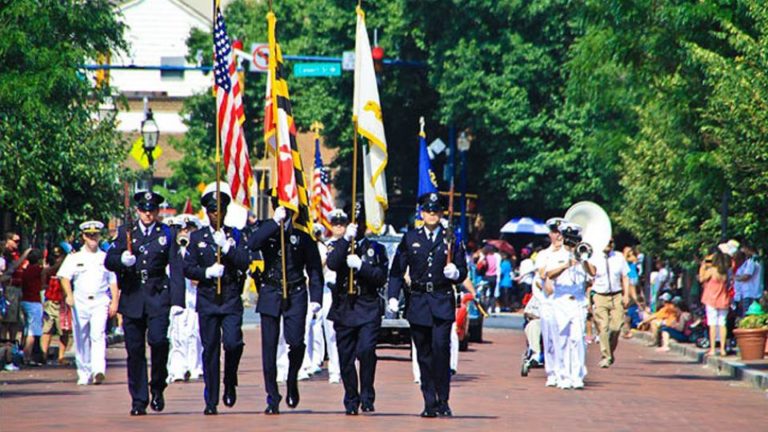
pixel 611 294
pixel 295 285
pixel 431 287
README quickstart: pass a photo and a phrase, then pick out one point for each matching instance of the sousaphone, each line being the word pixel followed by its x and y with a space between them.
pixel 595 226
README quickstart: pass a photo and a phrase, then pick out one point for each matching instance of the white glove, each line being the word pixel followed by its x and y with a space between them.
pixel 354 262
pixel 351 232
pixel 221 241
pixel 214 271
pixel 279 215
pixel 176 310
pixel 128 259
pixel 451 272
pixel 315 307
pixel 393 305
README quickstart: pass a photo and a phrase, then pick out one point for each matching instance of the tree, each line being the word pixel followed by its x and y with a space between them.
pixel 60 166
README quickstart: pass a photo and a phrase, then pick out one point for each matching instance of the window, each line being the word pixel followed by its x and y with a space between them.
pixel 172 74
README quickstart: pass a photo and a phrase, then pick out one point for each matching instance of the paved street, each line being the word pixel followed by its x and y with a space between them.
pixel 644 391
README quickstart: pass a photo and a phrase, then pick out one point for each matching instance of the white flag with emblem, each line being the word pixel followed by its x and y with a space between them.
pixel 367 115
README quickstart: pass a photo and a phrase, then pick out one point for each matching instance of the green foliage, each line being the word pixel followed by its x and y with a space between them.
pixel 59 165
pixel 754 322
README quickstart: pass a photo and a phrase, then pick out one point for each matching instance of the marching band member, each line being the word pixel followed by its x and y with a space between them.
pixel 542 287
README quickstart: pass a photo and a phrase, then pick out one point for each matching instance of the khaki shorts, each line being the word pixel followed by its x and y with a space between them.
pixel 51 318
pixel 13 296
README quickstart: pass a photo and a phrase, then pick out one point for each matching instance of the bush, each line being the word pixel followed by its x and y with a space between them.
pixel 754 321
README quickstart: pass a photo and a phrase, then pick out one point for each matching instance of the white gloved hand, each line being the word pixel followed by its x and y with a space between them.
pixel 354 262
pixel 315 307
pixel 451 272
pixel 393 305
pixel 128 259
pixel 351 232
pixel 176 310
pixel 220 238
pixel 214 271
pixel 279 215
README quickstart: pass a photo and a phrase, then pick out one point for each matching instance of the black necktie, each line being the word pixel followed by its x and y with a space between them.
pixel 608 274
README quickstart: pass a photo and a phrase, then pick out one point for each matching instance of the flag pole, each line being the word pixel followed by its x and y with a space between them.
pixel 218 166
pixel 351 285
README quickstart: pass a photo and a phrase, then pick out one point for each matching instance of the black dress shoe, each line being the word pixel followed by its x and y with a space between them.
pixel 351 411
pixel 210 410
pixel 138 412
pixel 368 408
pixel 158 402
pixel 443 410
pixel 187 376
pixel 230 396
pixel 428 413
pixel 292 399
pixel 272 410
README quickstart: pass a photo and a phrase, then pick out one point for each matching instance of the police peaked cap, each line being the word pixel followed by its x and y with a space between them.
pixel 431 202
pixel 208 201
pixel 148 200
pixel 338 217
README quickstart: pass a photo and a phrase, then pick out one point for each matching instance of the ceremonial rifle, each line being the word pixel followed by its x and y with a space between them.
pixel 127 216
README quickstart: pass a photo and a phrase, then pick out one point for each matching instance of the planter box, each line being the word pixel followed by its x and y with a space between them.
pixel 751 343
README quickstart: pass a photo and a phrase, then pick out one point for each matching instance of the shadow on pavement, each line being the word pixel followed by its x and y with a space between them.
pixel 691 377
pixel 22 394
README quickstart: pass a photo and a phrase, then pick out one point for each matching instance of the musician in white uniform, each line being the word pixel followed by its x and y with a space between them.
pixel 91 290
pixel 185 360
pixel 542 288
pixel 570 277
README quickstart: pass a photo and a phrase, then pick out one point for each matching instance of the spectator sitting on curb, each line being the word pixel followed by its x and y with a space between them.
pixel 678 329
pixel 634 315
pixel 666 315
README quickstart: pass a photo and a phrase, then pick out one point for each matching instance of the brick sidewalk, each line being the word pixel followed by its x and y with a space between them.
pixel 644 391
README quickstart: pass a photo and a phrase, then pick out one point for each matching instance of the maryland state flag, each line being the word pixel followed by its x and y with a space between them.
pixel 369 123
pixel 280 135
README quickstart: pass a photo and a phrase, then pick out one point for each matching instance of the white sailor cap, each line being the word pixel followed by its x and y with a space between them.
pixel 91 227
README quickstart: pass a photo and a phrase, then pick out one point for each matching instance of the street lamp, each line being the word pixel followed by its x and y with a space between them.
pixel 150 134
pixel 463 144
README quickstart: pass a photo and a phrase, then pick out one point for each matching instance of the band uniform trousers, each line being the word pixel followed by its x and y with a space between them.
pixel 609 316
pixel 89 330
pixel 549 337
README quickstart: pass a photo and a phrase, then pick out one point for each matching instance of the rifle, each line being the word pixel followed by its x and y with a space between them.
pixel 127 217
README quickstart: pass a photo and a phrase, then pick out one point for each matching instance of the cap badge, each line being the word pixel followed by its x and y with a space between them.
pixel 148 196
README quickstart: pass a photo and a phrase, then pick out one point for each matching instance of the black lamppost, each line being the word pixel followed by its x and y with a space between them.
pixel 463 144
pixel 150 134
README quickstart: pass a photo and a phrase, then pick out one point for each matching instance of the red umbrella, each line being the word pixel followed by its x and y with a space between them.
pixel 502 246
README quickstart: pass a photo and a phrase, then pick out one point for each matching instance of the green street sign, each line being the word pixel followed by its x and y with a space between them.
pixel 304 70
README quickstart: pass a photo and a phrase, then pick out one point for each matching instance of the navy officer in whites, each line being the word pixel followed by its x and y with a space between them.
pixel 148 297
pixel 357 316
pixel 303 270
pixel 431 302
pixel 220 315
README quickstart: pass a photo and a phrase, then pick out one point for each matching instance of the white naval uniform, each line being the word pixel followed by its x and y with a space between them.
pixel 569 305
pixel 186 353
pixel 320 332
pixel 549 333
pixel 90 282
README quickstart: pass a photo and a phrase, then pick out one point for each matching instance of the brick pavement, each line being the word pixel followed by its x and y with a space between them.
pixel 644 390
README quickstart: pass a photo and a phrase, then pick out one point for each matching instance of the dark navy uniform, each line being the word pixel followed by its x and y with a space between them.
pixel 357 318
pixel 220 316
pixel 430 307
pixel 146 295
pixel 302 256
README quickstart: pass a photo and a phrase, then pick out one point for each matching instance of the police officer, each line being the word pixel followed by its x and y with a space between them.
pixel 220 313
pixel 431 303
pixel 301 256
pixel 357 316
pixel 147 295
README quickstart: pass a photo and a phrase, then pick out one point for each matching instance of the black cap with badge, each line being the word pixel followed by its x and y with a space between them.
pixel 430 202
pixel 148 200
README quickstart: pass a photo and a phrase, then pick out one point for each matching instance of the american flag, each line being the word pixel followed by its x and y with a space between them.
pixel 231 114
pixel 322 202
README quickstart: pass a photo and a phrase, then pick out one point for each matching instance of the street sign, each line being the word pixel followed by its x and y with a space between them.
pixel 303 70
pixel 348 60
pixel 259 57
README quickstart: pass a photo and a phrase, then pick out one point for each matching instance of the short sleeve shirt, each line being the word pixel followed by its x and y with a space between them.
pixel 87 273
pixel 608 272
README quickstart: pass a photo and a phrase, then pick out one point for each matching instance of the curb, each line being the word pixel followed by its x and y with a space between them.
pixel 730 367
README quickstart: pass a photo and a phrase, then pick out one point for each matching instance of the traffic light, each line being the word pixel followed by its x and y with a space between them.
pixel 377 53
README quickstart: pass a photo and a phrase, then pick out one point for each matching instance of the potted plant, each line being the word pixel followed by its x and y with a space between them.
pixel 751 335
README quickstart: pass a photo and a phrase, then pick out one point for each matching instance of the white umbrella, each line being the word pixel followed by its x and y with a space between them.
pixel 524 225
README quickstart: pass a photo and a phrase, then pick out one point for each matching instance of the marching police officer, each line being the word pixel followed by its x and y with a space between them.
pixel 430 307
pixel 147 295
pixel 301 256
pixel 220 314
pixel 356 316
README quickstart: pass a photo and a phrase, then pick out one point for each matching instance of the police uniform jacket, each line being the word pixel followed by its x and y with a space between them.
pixel 301 255
pixel 145 287
pixel 201 254
pixel 431 293
pixel 366 306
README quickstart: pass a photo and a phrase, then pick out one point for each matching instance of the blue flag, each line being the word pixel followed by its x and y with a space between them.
pixel 427 179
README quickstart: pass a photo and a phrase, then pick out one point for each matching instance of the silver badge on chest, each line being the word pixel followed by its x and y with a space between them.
pixel 201 245
pixel 294 240
pixel 370 253
pixel 162 241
